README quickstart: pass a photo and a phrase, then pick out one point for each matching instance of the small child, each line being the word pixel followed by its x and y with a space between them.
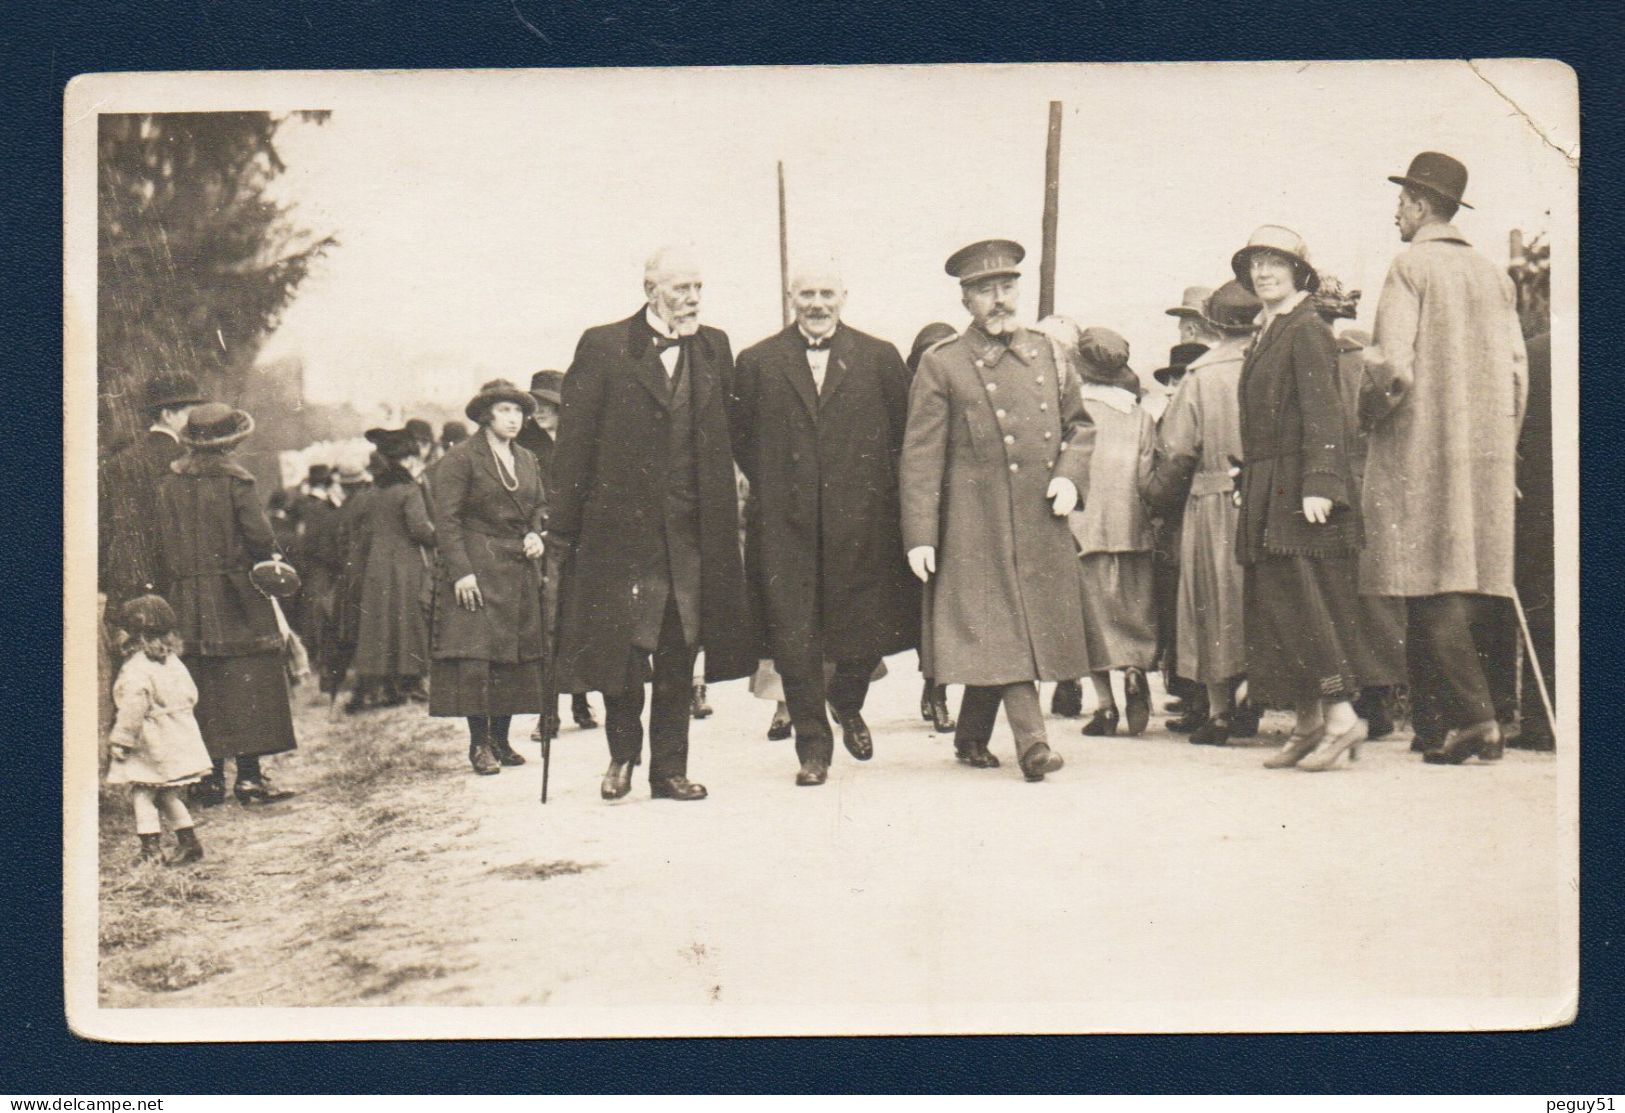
pixel 156 746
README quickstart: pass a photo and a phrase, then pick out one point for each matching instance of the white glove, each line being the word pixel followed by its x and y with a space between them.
pixel 923 560
pixel 1063 494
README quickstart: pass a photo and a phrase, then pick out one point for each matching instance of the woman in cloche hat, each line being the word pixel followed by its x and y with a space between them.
pixel 489 508
pixel 213 531
pixel 1299 533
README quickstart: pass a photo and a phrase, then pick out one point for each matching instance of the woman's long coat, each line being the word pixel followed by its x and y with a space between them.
pixel 394 634
pixel 609 475
pixel 1199 435
pixel 988 428
pixel 1295 443
pixel 214 530
pixel 480 528
pixel 1444 408
pixel 824 549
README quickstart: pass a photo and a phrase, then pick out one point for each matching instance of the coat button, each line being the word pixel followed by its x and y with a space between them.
pixel 979 363
pixel 1047 434
pixel 1065 446
pixel 992 387
pixel 1009 439
pixel 1039 380
pixel 1015 467
pixel 1043 405
pixel 999 414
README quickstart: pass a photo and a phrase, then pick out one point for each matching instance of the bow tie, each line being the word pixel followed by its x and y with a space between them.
pixel 661 343
pixel 815 344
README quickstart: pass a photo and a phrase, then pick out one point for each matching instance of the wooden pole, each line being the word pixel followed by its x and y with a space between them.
pixel 1052 204
pixel 784 254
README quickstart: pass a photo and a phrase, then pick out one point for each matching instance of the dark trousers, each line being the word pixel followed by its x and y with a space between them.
pixel 980 707
pixel 1448 687
pixel 805 693
pixel 673 669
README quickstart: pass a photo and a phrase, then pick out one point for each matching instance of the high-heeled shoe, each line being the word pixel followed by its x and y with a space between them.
pixel 1481 740
pixel 1297 747
pixel 1330 749
pixel 1137 695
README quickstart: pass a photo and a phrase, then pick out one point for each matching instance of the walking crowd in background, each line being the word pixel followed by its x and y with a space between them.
pixel 1306 520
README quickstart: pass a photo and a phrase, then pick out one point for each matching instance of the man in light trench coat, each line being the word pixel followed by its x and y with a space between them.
pixel 995 455
pixel 1444 399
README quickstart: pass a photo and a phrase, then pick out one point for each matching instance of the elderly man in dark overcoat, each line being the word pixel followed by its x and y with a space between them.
pixel 646 506
pixel 818 429
pixel 995 457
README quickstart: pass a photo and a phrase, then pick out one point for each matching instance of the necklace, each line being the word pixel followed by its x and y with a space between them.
pixel 502 474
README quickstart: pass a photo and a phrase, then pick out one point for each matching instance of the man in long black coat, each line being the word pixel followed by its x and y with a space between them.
pixel 818 429
pixel 645 504
pixel 128 490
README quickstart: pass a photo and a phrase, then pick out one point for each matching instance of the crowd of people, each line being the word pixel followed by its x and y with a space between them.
pixel 1303 520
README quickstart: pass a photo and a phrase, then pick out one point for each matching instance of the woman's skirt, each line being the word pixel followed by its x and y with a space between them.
pixel 1304 636
pixel 242 708
pixel 1119 610
pixel 460 687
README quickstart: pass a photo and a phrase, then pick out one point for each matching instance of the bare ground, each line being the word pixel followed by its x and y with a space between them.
pixel 1148 870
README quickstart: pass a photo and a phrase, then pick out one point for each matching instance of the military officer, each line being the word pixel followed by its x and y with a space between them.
pixel 996 452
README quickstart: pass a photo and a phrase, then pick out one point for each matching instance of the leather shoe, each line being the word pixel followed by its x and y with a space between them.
pixel 1215 732
pixel 505 754
pixel 976 758
pixel 1474 741
pixel 779 729
pixel 855 736
pixel 698 707
pixel 581 711
pixel 483 760
pixel 812 773
pixel 676 788
pixel 1137 693
pixel 1103 723
pixel 1189 721
pixel 1039 760
pixel 942 720
pixel 259 792
pixel 209 792
pixel 1244 720
pixel 617 781
pixel 1066 701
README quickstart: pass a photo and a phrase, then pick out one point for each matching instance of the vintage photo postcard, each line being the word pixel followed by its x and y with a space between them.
pixel 829 550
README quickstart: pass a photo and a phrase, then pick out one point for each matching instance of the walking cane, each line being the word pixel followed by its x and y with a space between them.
pixel 1534 659
pixel 550 674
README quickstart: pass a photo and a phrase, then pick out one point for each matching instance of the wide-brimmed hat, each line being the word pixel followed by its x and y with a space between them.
pixel 497 390
pixel 216 425
pixel 1103 356
pixel 453 432
pixel 985 259
pixel 352 475
pixel 275 578
pixel 1191 304
pixel 1180 356
pixel 146 615
pixel 934 333
pixel 547 386
pixel 1335 303
pixel 1277 241
pixel 171 389
pixel 1437 173
pixel 319 475
pixel 1232 308
pixel 394 444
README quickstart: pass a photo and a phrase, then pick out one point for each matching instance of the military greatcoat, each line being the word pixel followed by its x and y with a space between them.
pixel 989 426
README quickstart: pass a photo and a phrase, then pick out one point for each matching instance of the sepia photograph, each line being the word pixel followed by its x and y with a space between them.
pixel 1091 548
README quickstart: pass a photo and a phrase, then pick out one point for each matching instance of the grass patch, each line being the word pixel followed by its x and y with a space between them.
pixel 541 871
pixel 174 971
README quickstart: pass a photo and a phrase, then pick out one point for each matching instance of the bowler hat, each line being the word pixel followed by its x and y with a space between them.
pixel 394 444
pixel 985 259
pixel 216 425
pixel 934 333
pixel 497 390
pixel 274 578
pixel 320 474
pixel 1191 304
pixel 453 432
pixel 171 389
pixel 1180 356
pixel 546 386
pixel 1277 241
pixel 1232 308
pixel 146 615
pixel 421 430
pixel 1437 173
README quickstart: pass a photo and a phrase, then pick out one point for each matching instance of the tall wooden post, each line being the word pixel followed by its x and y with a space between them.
pixel 1052 205
pixel 784 254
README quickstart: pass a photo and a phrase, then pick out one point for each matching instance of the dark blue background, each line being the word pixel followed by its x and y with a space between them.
pixel 46 45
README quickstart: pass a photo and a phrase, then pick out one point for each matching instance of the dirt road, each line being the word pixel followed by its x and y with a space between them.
pixel 1150 883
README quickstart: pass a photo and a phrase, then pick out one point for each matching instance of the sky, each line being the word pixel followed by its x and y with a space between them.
pixel 486 218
